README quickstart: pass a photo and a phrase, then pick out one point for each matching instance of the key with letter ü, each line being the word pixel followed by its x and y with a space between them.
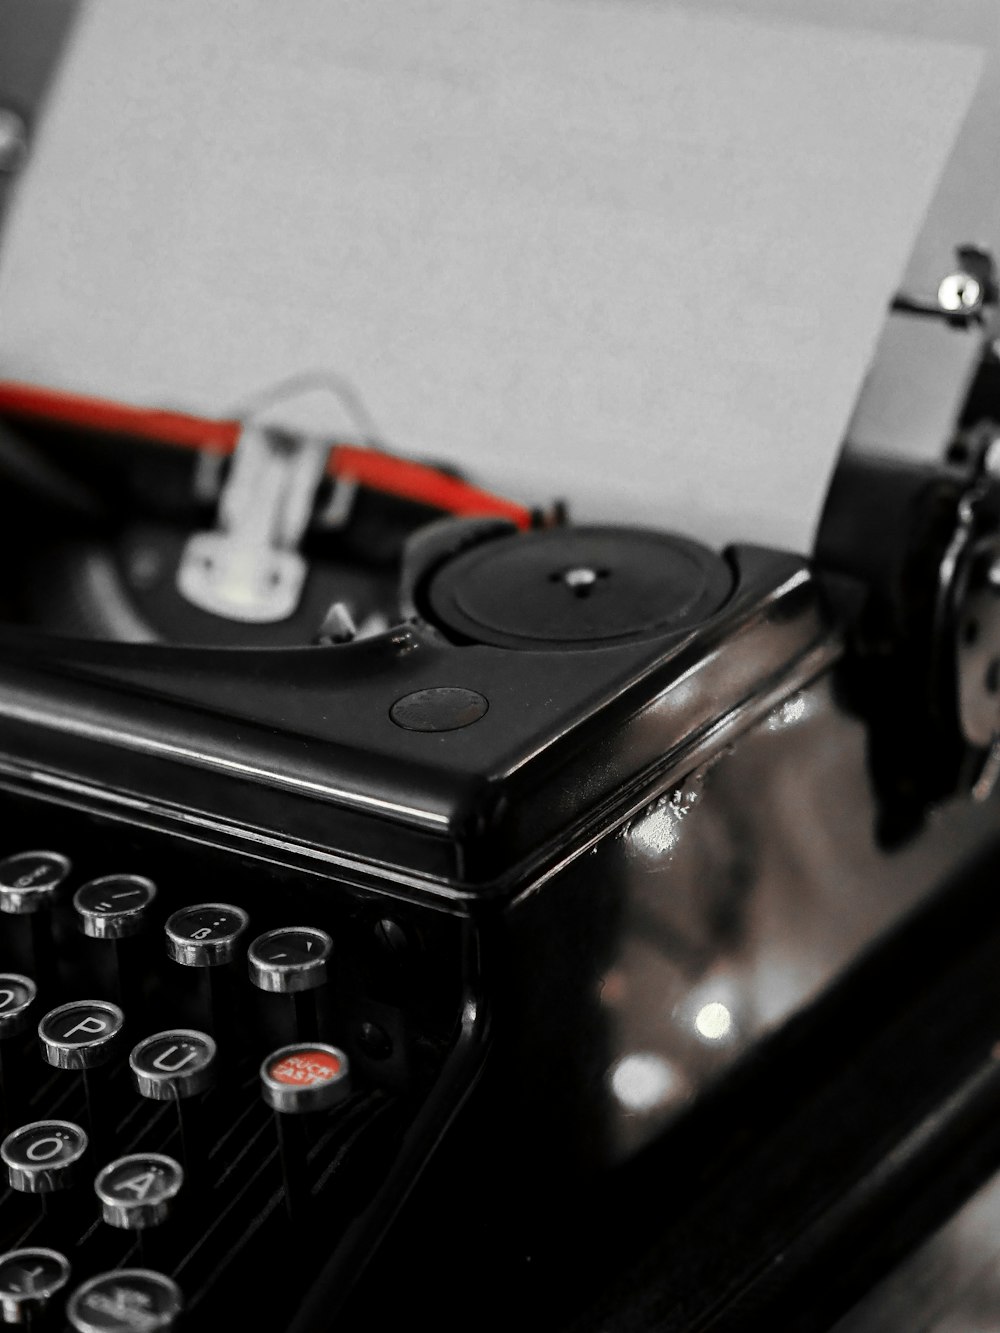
pixel 177 1066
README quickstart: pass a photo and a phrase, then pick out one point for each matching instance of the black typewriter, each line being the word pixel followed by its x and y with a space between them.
pixel 414 905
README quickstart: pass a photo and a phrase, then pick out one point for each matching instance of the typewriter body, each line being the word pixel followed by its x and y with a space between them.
pixel 601 829
pixel 414 900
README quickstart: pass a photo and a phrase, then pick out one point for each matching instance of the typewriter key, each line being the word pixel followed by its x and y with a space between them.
pixel 114 906
pixel 28 1281
pixel 28 885
pixel 43 1157
pixel 113 909
pixel 308 1076
pixel 169 1065
pixel 296 1080
pixel 80 1035
pixel 174 1066
pixel 28 881
pixel 293 958
pixel 17 996
pixel 205 935
pixel 293 961
pixel 129 1300
pixel 83 1036
pixel 136 1191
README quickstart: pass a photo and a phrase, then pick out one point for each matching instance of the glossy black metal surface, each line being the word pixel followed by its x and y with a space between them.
pixel 795 1024
pixel 310 732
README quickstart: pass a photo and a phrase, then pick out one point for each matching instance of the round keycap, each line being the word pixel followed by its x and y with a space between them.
pixel 308 1076
pixel 80 1035
pixel 136 1191
pixel 114 906
pixel 17 994
pixel 293 958
pixel 29 879
pixel 205 935
pixel 28 1281
pixel 178 1063
pixel 43 1156
pixel 129 1300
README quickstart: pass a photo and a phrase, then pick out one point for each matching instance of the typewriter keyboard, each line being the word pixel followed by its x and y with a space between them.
pixel 207 1065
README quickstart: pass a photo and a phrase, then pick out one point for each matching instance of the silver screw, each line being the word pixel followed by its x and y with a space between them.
pixel 580 577
pixel 960 293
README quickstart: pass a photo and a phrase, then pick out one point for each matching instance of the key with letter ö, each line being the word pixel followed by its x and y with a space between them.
pixel 43 1156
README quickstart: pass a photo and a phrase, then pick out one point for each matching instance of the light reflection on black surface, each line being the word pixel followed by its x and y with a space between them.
pixel 741 894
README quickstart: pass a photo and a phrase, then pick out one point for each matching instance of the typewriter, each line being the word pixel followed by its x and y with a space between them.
pixel 415 905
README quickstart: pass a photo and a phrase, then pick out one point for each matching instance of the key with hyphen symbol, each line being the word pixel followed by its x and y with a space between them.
pixel 293 961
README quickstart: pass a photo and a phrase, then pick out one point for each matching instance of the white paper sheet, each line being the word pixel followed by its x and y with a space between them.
pixel 600 249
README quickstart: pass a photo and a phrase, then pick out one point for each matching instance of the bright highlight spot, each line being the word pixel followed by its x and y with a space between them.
pixel 713 1021
pixel 644 1081
pixel 791 711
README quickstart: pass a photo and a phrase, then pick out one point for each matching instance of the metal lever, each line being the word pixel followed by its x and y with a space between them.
pixel 249 568
pixel 968 620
